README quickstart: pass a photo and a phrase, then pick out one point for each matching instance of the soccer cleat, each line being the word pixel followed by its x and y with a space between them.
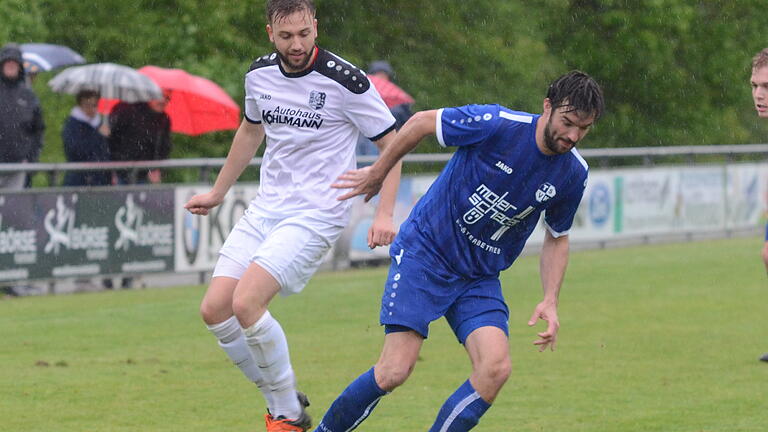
pixel 763 358
pixel 281 424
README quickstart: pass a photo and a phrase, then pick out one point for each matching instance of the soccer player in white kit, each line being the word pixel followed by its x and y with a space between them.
pixel 311 105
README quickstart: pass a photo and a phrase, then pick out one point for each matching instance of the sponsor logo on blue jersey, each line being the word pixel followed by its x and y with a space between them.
pixel 485 201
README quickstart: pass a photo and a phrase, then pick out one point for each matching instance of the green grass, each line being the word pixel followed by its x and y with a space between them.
pixel 656 338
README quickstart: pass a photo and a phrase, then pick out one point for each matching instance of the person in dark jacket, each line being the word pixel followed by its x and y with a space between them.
pixel 140 132
pixel 381 75
pixel 85 140
pixel 21 118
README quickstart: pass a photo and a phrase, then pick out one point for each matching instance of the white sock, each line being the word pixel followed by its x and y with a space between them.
pixel 232 341
pixel 269 347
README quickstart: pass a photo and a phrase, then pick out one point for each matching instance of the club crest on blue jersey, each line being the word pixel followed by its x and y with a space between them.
pixel 545 192
pixel 316 99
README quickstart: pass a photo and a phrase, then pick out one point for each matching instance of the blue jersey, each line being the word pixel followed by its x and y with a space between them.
pixel 476 217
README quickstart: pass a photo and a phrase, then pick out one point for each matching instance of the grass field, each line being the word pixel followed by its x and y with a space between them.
pixel 656 338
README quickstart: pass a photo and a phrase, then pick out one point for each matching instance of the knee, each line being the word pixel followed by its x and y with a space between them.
pixel 239 307
pixel 212 314
pixel 247 311
pixel 496 371
pixel 390 375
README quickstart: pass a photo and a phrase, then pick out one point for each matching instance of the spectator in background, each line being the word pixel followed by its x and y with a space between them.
pixel 85 140
pixel 140 132
pixel 21 118
pixel 381 75
pixel 759 82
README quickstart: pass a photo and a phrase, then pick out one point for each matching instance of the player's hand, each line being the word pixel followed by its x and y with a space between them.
pixel 200 204
pixel 547 311
pixel 382 231
pixel 362 181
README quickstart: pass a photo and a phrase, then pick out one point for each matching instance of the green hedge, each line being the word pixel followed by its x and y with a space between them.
pixel 675 72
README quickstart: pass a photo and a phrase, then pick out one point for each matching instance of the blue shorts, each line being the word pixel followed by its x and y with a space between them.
pixel 416 294
pixel 766 232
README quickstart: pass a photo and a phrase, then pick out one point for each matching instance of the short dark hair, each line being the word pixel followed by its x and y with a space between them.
pixel 577 91
pixel 277 9
pixel 760 59
pixel 86 94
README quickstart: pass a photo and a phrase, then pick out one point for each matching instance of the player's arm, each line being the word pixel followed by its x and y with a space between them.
pixel 382 230
pixel 552 265
pixel 368 180
pixel 247 140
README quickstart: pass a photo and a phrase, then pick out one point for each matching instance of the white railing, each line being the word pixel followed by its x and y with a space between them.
pixel 604 156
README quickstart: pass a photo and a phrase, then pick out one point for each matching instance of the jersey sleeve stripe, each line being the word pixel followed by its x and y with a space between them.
pixel 381 135
pixel 579 158
pixel 439 127
pixel 554 233
pixel 250 120
pixel 515 117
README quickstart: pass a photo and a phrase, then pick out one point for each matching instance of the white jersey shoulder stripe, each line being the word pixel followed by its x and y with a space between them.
pixel 580 159
pixel 516 117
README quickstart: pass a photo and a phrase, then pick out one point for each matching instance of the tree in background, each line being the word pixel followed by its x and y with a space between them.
pixel 675 72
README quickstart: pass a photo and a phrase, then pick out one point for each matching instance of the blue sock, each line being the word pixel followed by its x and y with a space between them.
pixel 461 411
pixel 353 405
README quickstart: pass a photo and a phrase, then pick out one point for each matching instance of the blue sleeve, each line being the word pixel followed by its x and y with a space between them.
pixel 559 217
pixel 466 125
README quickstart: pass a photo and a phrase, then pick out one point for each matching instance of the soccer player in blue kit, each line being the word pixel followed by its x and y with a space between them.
pixel 471 224
pixel 759 83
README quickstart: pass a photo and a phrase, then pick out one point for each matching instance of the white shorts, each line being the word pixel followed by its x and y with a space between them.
pixel 285 248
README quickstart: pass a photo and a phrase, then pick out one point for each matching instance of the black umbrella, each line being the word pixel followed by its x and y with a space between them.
pixel 113 81
pixel 39 57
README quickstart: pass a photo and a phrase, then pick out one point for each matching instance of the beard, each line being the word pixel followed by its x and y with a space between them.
pixel 550 141
pixel 295 67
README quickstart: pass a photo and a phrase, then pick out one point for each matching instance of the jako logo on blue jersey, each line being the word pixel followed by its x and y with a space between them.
pixel 293 117
pixel 545 192
pixel 504 167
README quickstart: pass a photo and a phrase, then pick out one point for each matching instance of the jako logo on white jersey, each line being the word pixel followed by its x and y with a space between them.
pixel 293 117
pixel 504 167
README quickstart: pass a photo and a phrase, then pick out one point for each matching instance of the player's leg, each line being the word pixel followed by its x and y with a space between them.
pixel 479 320
pixel 357 401
pixel 216 307
pixel 284 262
pixel 408 305
pixel 265 339
pixel 764 357
pixel 488 349
pixel 216 310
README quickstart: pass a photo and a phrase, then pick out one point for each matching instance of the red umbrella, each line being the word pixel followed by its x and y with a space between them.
pixel 197 105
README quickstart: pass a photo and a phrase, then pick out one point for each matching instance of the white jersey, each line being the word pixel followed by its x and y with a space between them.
pixel 312 120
